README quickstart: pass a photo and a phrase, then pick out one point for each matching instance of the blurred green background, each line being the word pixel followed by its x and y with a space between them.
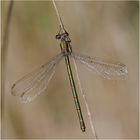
pixel 106 29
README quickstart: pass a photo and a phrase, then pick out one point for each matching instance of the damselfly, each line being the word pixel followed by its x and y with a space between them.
pixel 34 83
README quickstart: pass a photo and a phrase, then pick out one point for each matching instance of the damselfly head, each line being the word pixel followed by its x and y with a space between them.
pixel 63 37
pixel 58 36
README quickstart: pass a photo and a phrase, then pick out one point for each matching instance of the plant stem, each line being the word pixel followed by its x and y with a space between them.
pixel 4 49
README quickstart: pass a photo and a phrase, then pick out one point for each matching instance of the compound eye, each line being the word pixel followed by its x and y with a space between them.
pixel 58 36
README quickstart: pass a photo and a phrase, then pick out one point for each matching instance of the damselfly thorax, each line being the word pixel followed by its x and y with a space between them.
pixel 65 42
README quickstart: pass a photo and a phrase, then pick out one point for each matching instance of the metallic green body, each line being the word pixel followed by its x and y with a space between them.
pixel 73 87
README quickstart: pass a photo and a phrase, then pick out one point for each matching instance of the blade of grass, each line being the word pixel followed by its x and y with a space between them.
pixel 85 101
pixel 4 48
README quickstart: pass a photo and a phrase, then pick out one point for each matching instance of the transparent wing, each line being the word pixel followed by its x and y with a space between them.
pixel 102 67
pixel 34 83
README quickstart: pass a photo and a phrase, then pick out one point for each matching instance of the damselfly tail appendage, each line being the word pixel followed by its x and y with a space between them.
pixel 116 71
pixel 34 83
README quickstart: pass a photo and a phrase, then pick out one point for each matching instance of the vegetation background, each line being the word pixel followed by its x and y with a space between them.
pixel 106 29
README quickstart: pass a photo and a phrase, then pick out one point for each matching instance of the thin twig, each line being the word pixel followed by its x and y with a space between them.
pixel 85 101
pixel 7 26
pixel 4 49
pixel 77 75
pixel 58 15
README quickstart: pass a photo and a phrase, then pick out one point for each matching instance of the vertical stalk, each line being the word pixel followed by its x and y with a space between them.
pixel 86 103
pixel 4 48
